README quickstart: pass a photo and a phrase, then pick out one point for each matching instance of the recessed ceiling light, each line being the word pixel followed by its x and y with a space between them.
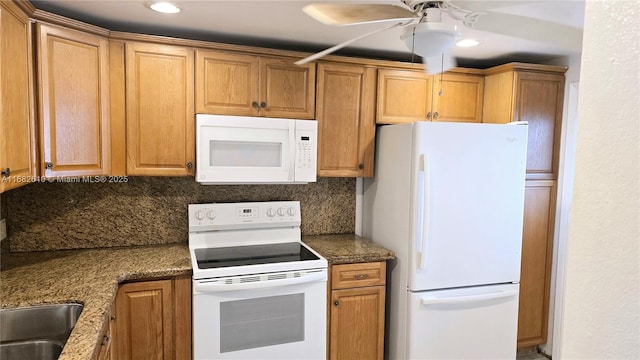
pixel 164 7
pixel 467 43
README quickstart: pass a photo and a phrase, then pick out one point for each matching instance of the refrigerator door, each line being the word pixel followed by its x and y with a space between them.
pixel 466 204
pixel 470 323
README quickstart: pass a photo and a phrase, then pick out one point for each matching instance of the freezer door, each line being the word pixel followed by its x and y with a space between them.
pixel 470 323
pixel 467 204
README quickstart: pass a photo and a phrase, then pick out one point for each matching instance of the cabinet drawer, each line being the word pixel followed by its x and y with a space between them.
pixel 358 275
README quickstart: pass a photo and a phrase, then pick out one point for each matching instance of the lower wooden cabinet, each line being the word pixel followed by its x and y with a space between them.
pixel 104 352
pixel 153 320
pixel 537 252
pixel 357 311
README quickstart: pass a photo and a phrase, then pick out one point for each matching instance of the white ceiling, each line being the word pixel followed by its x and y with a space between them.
pixel 283 24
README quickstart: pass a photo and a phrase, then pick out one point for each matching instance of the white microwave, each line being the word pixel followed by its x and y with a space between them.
pixel 252 150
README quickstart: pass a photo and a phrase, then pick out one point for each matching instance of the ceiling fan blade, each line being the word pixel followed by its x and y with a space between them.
pixel 553 34
pixel 439 63
pixel 350 14
pixel 341 45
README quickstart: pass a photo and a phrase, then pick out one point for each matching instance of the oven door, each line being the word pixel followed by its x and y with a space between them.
pixel 271 316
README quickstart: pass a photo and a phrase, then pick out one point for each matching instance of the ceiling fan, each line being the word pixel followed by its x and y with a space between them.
pixel 427 36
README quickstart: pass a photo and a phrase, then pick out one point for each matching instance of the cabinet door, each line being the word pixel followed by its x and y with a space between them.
pixel 346 124
pixel 538 100
pixel 17 122
pixel 144 321
pixel 226 83
pixel 458 98
pixel 535 273
pixel 287 90
pixel 160 116
pixel 357 323
pixel 74 102
pixel 403 96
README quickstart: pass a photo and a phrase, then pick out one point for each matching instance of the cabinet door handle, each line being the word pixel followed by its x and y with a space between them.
pixel 189 165
pixel 105 340
pixel 263 104
pixel 361 276
pixel 429 115
pixel 48 165
pixel 435 115
pixel 6 172
pixel 336 303
pixel 254 104
pixel 360 166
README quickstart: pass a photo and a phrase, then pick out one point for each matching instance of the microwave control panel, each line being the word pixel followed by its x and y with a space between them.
pixel 306 151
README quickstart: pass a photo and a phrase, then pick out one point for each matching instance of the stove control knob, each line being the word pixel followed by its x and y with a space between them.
pixel 211 214
pixel 281 211
pixel 271 212
pixel 199 214
pixel 291 211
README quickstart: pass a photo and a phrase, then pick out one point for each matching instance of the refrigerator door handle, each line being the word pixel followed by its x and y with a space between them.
pixel 467 299
pixel 426 200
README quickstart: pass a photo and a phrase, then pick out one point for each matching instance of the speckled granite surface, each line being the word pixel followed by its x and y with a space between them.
pixel 153 210
pixel 89 277
pixel 347 248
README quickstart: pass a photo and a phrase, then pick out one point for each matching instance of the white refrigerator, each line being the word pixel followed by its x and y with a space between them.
pixel 448 199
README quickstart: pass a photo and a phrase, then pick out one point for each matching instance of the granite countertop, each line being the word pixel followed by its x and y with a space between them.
pixel 347 248
pixel 91 277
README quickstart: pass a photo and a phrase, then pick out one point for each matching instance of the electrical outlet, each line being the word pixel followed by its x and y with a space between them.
pixel 3 229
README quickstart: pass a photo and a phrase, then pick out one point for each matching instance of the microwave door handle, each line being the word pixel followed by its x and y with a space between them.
pixel 221 287
pixel 292 150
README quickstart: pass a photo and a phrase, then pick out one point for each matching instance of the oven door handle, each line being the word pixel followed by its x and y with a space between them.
pixel 218 287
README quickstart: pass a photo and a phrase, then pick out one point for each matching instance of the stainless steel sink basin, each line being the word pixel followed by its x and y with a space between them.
pixel 37 332
pixel 32 349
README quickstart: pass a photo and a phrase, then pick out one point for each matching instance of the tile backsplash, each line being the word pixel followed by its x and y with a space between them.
pixel 153 210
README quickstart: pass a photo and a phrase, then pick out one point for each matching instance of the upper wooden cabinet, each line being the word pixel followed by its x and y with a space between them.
pixel 410 95
pixel 17 120
pixel 346 123
pixel 238 84
pixel 403 96
pixel 457 97
pixel 532 93
pixel 73 72
pixel 159 108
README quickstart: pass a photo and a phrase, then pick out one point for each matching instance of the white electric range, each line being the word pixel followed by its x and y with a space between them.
pixel 258 291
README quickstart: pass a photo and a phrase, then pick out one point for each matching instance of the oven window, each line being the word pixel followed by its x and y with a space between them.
pixel 245 153
pixel 252 323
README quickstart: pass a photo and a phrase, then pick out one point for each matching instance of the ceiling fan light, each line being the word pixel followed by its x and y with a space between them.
pixel 467 43
pixel 164 7
pixel 430 38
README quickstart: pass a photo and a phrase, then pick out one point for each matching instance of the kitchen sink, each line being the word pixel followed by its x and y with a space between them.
pixel 36 332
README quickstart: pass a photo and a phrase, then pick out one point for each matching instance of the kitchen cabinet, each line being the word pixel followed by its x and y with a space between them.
pixel 159 109
pixel 407 96
pixel 73 84
pixel 532 93
pixel 537 252
pixel 17 119
pixel 239 84
pixel 153 320
pixel 357 311
pixel 458 97
pixel 346 122
pixel 104 351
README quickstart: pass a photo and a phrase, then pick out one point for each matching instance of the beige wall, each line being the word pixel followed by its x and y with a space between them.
pixel 601 303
